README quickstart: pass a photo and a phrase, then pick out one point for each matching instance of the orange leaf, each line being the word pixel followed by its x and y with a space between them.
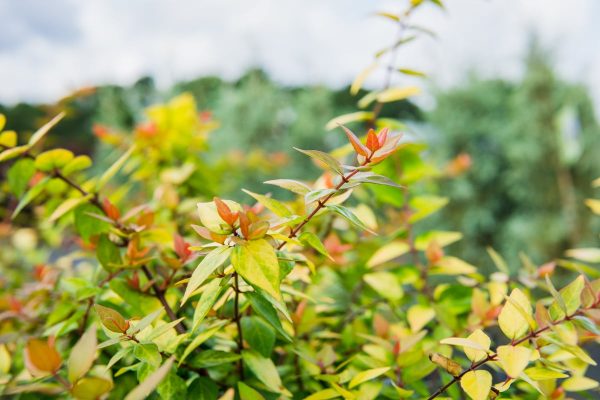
pixel 111 319
pixel 372 140
pixel 358 146
pixel 225 212
pixel 41 356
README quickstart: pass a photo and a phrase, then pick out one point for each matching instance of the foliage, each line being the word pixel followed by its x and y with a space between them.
pixel 145 284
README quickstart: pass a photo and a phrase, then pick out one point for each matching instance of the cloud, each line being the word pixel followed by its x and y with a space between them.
pixel 50 48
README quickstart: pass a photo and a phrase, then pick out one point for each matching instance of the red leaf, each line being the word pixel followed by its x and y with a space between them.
pixel 182 248
pixel 111 210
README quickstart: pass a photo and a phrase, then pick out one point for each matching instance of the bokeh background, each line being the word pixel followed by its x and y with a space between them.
pixel 513 85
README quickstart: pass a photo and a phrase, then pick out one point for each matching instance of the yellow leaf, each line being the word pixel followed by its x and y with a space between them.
pixel 513 359
pixel 83 354
pixel 142 391
pixel 477 384
pixel 541 373
pixel 480 338
pixel 511 322
pixel 454 341
pixel 5 358
pixel 360 79
pixel 388 252
pixel 396 94
pixel 91 388
pixel 367 375
pixel 579 383
pixel 256 261
pixel 418 316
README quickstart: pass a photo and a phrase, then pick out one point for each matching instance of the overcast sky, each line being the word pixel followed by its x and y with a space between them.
pixel 48 48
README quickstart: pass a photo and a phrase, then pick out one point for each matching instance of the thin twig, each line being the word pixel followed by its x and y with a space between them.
pixel 237 318
pixel 321 203
pixel 493 356
pixel 160 295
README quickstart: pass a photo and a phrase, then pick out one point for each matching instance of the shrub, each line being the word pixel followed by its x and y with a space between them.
pixel 335 293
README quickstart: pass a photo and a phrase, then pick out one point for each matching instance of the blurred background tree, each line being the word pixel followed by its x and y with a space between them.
pixel 534 145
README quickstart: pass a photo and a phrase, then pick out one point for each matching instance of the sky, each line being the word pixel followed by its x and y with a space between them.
pixel 50 48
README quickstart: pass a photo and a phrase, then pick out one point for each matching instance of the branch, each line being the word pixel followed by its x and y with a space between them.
pixel 493 356
pixel 160 295
pixel 322 203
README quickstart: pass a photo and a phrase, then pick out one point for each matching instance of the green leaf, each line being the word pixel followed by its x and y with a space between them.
pixel 324 160
pixel 262 306
pixel 148 352
pixel 146 321
pixel 19 175
pixel 86 225
pixel 370 177
pixel 201 338
pixel 248 393
pixel 151 382
pixel 212 358
pixel 13 152
pixel 317 194
pixel 53 159
pixel 40 133
pixel 367 375
pixel 83 354
pixel 264 370
pixel 203 388
pixel 172 387
pixel 424 206
pixel 291 185
pixel 568 300
pixel 256 261
pixel 79 163
pixel 113 169
pixel 259 335
pixel 206 302
pixel 108 253
pixel 312 240
pixel 350 216
pixel 207 266
pixel 273 205
pixel 9 139
pixel 67 206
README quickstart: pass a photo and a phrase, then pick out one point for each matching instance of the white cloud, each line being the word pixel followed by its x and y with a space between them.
pixel 50 48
